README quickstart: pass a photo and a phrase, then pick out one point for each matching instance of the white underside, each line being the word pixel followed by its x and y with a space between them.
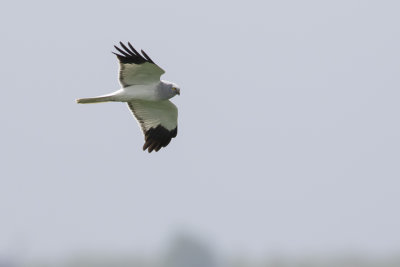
pixel 137 92
pixel 154 113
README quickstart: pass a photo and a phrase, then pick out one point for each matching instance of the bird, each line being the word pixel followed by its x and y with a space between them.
pixel 147 96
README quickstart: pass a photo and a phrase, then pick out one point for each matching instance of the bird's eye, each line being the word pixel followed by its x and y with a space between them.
pixel 174 88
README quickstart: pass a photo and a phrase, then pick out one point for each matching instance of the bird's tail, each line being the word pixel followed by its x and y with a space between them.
pixel 98 99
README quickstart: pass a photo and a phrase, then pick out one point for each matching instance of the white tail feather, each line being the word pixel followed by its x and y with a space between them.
pixel 91 100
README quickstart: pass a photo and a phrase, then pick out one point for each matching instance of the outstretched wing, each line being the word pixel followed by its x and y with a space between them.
pixel 158 120
pixel 136 68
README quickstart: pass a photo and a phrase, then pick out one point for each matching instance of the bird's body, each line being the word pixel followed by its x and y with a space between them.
pixel 139 92
pixel 144 92
pixel 135 92
pixel 147 97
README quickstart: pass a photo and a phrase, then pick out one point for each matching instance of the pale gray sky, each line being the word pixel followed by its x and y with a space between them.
pixel 288 135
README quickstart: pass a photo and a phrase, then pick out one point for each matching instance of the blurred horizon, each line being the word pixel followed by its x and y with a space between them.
pixel 188 250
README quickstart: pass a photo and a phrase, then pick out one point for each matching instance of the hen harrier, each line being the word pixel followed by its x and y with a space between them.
pixel 147 97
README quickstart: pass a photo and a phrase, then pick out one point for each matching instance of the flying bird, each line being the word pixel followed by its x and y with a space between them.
pixel 146 95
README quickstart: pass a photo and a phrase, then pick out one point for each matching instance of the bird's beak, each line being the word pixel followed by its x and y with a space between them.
pixel 178 92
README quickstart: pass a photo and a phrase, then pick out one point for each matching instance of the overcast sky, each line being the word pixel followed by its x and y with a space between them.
pixel 288 136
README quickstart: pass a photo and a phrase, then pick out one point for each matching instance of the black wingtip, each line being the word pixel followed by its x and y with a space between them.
pixel 146 56
pixel 130 55
pixel 157 138
pixel 133 49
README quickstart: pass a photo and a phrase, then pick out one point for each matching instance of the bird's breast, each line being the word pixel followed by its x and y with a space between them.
pixel 142 92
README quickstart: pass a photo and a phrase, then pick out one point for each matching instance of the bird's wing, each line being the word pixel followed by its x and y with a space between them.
pixel 158 120
pixel 136 68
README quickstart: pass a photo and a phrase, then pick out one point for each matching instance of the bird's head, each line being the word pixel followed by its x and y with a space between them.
pixel 170 89
pixel 175 88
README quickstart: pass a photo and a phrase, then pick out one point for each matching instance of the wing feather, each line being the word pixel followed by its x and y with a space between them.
pixel 147 57
pixel 122 52
pixel 136 68
pixel 126 49
pixel 133 49
pixel 158 121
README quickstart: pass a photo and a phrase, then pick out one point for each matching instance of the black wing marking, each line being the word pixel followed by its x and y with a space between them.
pixel 130 55
pixel 156 138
